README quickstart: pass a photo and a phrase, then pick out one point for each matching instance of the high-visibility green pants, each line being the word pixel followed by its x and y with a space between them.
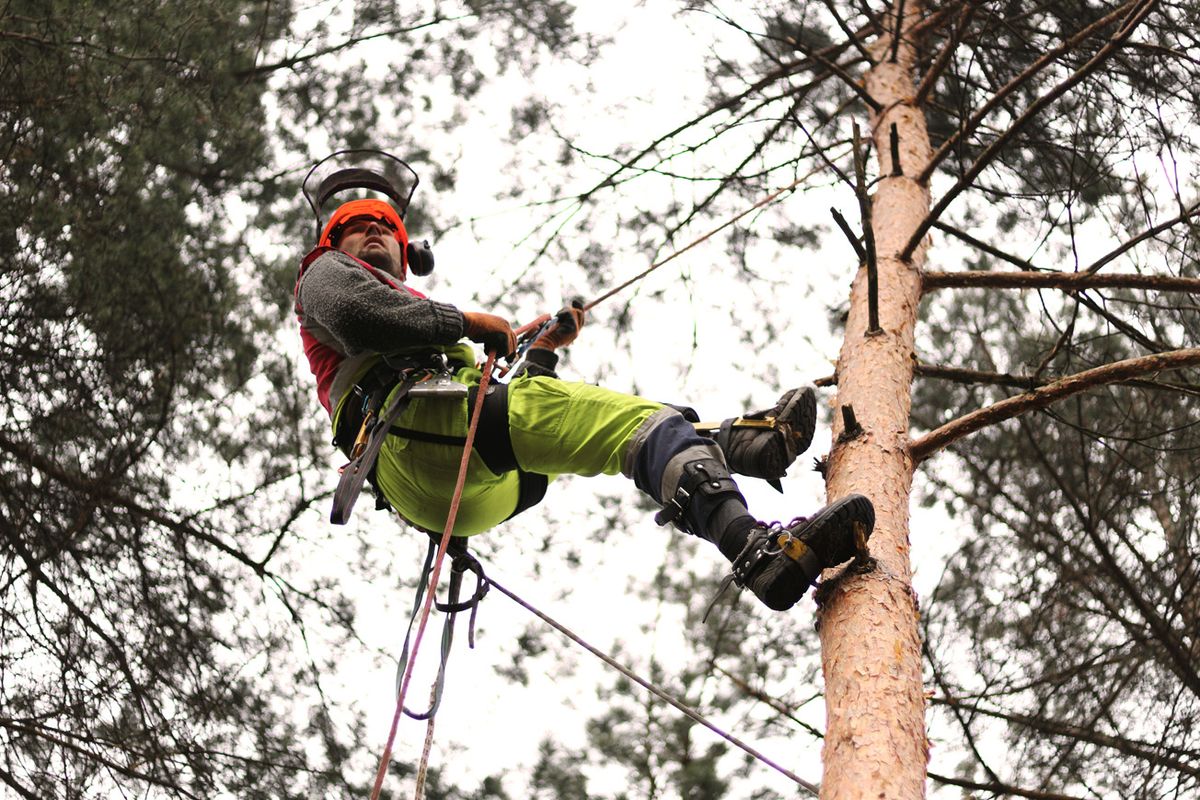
pixel 557 427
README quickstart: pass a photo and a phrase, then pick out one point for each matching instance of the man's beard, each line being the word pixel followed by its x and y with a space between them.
pixel 380 259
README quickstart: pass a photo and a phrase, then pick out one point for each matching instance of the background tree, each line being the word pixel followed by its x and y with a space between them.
pixel 167 624
pixel 1068 127
pixel 162 632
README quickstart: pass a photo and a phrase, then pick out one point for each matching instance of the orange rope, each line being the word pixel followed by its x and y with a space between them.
pixel 386 758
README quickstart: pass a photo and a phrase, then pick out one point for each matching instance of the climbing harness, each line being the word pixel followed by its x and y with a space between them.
pixel 401 380
pixel 425 378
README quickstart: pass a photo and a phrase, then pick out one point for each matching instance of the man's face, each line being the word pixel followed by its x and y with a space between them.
pixel 374 242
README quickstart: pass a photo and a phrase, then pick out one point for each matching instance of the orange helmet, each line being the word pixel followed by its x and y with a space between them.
pixel 377 209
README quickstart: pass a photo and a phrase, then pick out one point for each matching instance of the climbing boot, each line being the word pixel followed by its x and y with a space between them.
pixel 780 562
pixel 765 443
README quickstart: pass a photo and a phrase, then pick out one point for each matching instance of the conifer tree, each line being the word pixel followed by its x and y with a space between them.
pixel 1024 177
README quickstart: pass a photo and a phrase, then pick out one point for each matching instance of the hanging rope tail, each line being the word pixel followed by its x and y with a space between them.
pixel 386 758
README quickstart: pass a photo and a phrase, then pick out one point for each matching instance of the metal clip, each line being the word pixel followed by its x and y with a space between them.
pixel 438 385
pixel 360 441
pixel 673 508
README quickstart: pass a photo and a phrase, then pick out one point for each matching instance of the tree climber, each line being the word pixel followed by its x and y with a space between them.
pixel 361 324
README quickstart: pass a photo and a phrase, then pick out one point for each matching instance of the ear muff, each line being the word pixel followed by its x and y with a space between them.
pixel 420 259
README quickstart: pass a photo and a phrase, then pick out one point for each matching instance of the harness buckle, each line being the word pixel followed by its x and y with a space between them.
pixel 674 507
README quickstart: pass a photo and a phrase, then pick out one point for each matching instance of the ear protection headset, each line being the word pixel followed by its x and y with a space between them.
pixel 417 258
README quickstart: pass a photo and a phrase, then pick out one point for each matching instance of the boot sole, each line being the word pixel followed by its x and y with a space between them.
pixel 836 521
pixel 785 580
pixel 804 419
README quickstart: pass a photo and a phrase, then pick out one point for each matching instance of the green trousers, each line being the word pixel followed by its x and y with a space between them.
pixel 557 427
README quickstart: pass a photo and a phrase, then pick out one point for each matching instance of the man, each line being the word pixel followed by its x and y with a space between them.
pixel 355 308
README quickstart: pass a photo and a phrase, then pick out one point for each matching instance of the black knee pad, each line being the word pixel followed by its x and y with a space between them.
pixel 703 486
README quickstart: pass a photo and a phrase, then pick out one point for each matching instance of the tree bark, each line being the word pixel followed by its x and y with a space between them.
pixel 875 744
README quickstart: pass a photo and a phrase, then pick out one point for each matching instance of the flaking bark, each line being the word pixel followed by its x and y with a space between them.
pixel 875 745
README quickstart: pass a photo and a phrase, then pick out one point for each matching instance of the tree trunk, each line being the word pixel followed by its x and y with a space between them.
pixel 875 744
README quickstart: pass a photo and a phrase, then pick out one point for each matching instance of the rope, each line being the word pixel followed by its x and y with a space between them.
pixel 688 711
pixel 765 201
pixel 385 759
pixel 456 499
pixel 423 769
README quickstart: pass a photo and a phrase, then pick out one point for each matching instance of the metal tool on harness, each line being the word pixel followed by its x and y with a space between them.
pixel 440 384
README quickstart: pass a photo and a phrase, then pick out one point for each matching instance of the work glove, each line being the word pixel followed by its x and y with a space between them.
pixel 566 328
pixel 494 333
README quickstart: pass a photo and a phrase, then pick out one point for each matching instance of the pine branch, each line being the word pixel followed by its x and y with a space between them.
pixel 1136 17
pixel 263 70
pixel 1132 747
pixel 1043 396
pixel 1065 281
pixel 1001 94
pixel 1005 789
pixel 943 58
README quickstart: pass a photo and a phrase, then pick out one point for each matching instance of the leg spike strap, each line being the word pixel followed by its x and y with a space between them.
pixel 703 485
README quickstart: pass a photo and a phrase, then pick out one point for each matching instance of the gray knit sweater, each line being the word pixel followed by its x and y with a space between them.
pixel 361 313
pixel 345 305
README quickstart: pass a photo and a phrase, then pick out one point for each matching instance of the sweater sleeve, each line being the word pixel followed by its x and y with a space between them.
pixel 364 314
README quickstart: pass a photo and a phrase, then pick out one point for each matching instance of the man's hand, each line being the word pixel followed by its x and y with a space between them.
pixel 494 333
pixel 569 322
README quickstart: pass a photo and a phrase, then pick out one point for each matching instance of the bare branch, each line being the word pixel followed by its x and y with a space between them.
pixel 1043 396
pixel 1064 281
pixel 1132 747
pixel 1184 216
pixel 991 250
pixel 1005 789
pixel 973 376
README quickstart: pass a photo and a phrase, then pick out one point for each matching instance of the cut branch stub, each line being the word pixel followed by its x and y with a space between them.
pixel 864 207
pixel 894 140
pixel 851 429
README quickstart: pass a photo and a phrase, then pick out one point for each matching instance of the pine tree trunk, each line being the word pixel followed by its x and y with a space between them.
pixel 875 744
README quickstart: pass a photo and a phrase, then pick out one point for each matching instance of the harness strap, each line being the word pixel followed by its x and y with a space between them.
pixel 376 428
pixel 493 443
